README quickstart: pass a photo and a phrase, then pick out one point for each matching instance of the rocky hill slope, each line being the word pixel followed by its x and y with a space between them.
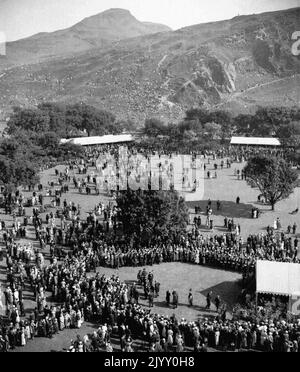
pixel 235 64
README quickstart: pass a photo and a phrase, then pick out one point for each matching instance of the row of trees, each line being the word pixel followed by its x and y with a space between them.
pixel 63 120
pixel 209 129
pixel 281 122
pixel 200 128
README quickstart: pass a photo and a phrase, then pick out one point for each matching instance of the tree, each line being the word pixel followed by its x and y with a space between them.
pixel 9 147
pixel 199 114
pixel 87 118
pixel 267 121
pixel 126 125
pixel 20 146
pixel 70 151
pixel 152 213
pixel 202 117
pixel 17 172
pixel 289 134
pixel 18 161
pixel 33 120
pixel 213 130
pixel 57 117
pixel 90 123
pixel 273 176
pixel 154 127
pixel 48 141
pixel 244 124
pixel 64 120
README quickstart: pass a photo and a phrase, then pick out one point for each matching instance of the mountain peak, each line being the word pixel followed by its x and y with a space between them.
pixel 96 31
pixel 109 15
pixel 116 11
pixel 118 22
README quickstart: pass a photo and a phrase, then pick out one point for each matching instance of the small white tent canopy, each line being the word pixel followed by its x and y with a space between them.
pixel 255 141
pixel 99 140
pixel 279 278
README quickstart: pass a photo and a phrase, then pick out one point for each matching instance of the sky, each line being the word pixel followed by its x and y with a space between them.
pixel 22 18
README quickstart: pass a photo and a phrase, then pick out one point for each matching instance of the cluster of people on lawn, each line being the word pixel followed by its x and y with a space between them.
pixel 227 251
pixel 102 298
pixel 78 246
pixel 160 333
pixel 103 160
pixel 243 153
pixel 115 307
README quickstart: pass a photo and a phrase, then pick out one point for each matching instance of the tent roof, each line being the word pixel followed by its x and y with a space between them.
pixel 99 140
pixel 279 278
pixel 258 141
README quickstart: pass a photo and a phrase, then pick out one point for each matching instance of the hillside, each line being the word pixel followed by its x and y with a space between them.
pixel 235 64
pixel 97 31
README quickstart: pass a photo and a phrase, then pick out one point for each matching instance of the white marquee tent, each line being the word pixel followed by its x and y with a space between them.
pixel 279 278
pixel 255 141
pixel 99 140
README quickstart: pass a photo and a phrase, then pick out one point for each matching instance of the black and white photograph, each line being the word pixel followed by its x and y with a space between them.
pixel 149 179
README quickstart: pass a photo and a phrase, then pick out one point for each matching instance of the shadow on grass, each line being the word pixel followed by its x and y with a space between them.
pixel 163 304
pixel 229 289
pixel 228 208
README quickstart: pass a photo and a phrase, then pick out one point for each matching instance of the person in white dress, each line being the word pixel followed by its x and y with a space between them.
pixel 23 338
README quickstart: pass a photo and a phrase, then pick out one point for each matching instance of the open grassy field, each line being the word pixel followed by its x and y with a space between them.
pixel 226 188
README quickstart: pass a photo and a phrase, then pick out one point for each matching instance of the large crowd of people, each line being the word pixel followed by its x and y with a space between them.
pixel 78 245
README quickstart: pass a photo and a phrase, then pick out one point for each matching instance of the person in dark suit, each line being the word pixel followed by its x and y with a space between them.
pixel 150 298
pixel 168 297
pixel 190 298
pixel 217 302
pixel 175 299
pixel 208 300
